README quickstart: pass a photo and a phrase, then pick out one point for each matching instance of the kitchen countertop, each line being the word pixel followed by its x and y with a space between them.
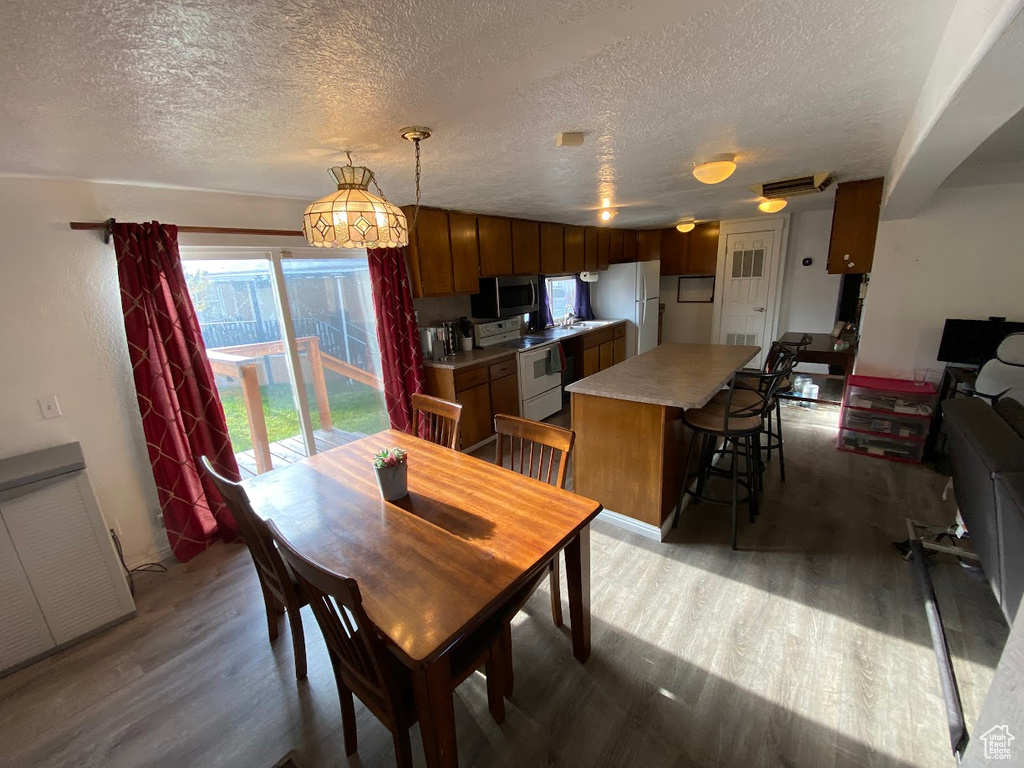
pixel 477 356
pixel 675 375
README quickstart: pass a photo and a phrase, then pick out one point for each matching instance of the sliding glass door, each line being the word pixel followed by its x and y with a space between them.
pixel 293 346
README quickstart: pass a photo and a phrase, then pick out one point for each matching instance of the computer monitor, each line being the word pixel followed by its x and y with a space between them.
pixel 974 342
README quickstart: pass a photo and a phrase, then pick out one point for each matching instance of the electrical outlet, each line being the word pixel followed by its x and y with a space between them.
pixel 49 407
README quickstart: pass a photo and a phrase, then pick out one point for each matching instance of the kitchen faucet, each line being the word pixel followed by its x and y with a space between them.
pixel 569 318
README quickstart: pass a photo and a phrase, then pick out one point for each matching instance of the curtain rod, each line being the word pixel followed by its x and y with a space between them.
pixel 107 227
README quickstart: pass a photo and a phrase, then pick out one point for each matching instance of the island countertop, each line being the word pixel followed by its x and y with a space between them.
pixel 674 375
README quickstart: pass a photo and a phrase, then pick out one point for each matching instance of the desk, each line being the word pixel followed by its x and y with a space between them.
pixel 434 566
pixel 822 350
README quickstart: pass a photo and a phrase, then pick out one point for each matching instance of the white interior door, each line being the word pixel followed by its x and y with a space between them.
pixel 746 289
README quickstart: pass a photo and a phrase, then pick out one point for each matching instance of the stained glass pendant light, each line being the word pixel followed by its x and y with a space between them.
pixel 355 217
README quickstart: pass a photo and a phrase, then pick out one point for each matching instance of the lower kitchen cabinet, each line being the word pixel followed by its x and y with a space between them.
pixel 591 361
pixel 505 395
pixel 483 390
pixel 619 349
pixel 606 356
pixel 477 418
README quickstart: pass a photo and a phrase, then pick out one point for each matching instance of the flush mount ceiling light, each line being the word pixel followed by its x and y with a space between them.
pixel 606 215
pixel 716 170
pixel 686 225
pixel 773 206
pixel 355 217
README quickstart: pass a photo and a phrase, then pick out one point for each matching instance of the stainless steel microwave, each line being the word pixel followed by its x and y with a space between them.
pixel 505 297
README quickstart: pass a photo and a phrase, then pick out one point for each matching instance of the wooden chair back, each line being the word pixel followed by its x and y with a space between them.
pixel 269 565
pixel 357 650
pixel 767 385
pixel 534 441
pixel 439 418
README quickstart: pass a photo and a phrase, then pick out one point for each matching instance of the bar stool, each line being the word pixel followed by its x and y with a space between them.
pixel 736 416
pixel 784 355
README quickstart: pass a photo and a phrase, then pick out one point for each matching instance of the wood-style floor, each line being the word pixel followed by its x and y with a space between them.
pixel 807 648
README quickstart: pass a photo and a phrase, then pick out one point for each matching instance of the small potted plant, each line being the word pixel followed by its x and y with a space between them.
pixel 392 468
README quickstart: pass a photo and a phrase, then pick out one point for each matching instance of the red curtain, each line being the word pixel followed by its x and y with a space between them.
pixel 401 357
pixel 181 412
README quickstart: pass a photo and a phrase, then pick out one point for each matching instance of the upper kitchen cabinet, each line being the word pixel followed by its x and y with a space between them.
pixel 465 252
pixel 604 247
pixel 854 226
pixel 629 245
pixel 675 251
pixel 495 246
pixel 552 249
pixel 430 254
pixel 575 249
pixel 649 245
pixel 590 248
pixel 617 253
pixel 525 247
pixel 703 257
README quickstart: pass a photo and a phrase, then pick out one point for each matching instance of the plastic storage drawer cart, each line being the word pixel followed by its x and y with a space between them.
pixel 888 418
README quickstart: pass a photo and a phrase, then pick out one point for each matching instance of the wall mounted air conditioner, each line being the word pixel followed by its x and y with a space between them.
pixel 800 185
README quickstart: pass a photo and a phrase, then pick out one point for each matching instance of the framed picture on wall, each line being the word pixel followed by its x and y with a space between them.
pixel 696 289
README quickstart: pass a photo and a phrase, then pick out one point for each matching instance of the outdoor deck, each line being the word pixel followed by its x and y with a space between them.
pixel 291 449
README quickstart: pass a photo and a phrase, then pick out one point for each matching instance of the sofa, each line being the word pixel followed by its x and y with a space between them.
pixel 986 446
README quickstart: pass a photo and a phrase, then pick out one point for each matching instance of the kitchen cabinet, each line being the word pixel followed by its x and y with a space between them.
pixel 495 236
pixel 591 361
pixel 604 247
pixel 851 248
pixel 649 245
pixel 505 395
pixel 552 249
pixel 618 350
pixel 703 257
pixel 606 356
pixel 590 249
pixel 477 421
pixel 465 252
pixel 675 251
pixel 525 247
pixel 618 245
pixel 629 252
pixel 430 254
pixel 575 249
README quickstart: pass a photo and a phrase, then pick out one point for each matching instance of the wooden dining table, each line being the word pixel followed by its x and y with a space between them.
pixel 434 566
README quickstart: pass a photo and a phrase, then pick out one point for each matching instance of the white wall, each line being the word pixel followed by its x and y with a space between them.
pixel 62 332
pixel 809 294
pixel 962 257
pixel 684 323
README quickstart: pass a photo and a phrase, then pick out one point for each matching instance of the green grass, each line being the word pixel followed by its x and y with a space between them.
pixel 354 408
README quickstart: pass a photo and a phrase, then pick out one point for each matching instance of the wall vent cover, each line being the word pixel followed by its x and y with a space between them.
pixel 800 185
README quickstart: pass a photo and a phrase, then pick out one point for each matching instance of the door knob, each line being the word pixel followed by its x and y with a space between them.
pixel 759 309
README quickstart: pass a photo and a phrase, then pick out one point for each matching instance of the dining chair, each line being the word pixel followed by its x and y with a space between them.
pixel 365 667
pixel 281 593
pixel 440 417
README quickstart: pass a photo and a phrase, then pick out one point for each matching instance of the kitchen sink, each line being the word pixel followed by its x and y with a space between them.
pixel 592 323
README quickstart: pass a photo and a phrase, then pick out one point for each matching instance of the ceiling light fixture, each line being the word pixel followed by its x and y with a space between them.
pixel 773 206
pixel 355 217
pixel 716 170
pixel 606 215
pixel 686 225
pixel 606 202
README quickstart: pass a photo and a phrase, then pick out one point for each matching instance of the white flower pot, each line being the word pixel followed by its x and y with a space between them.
pixel 393 481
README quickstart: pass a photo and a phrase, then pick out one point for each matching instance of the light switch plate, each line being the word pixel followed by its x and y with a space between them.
pixel 50 407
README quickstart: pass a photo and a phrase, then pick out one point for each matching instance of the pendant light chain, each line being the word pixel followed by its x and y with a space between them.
pixel 416 212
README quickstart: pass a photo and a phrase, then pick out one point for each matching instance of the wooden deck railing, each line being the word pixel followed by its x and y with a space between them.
pixel 242 361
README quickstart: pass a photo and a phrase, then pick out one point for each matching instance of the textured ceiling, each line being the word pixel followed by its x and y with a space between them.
pixel 258 97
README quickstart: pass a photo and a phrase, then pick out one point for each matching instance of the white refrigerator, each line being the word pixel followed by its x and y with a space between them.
pixel 630 292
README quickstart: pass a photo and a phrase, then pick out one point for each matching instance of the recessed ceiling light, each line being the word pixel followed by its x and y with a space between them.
pixel 716 170
pixel 773 206
pixel 686 225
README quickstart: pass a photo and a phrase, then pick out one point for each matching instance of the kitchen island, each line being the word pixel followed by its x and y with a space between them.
pixel 630 450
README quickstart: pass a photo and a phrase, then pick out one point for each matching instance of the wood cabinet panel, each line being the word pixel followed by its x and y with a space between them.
pixel 575 257
pixel 675 251
pixel 703 257
pixel 851 248
pixel 629 245
pixel 591 361
pixel 477 422
pixel 465 252
pixel 590 248
pixel 649 245
pixel 604 247
pixel 495 246
pixel 505 395
pixel 552 249
pixel 504 368
pixel 430 254
pixel 525 247
pixel 619 331
pixel 470 377
pixel 606 354
pixel 618 349
pixel 618 246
